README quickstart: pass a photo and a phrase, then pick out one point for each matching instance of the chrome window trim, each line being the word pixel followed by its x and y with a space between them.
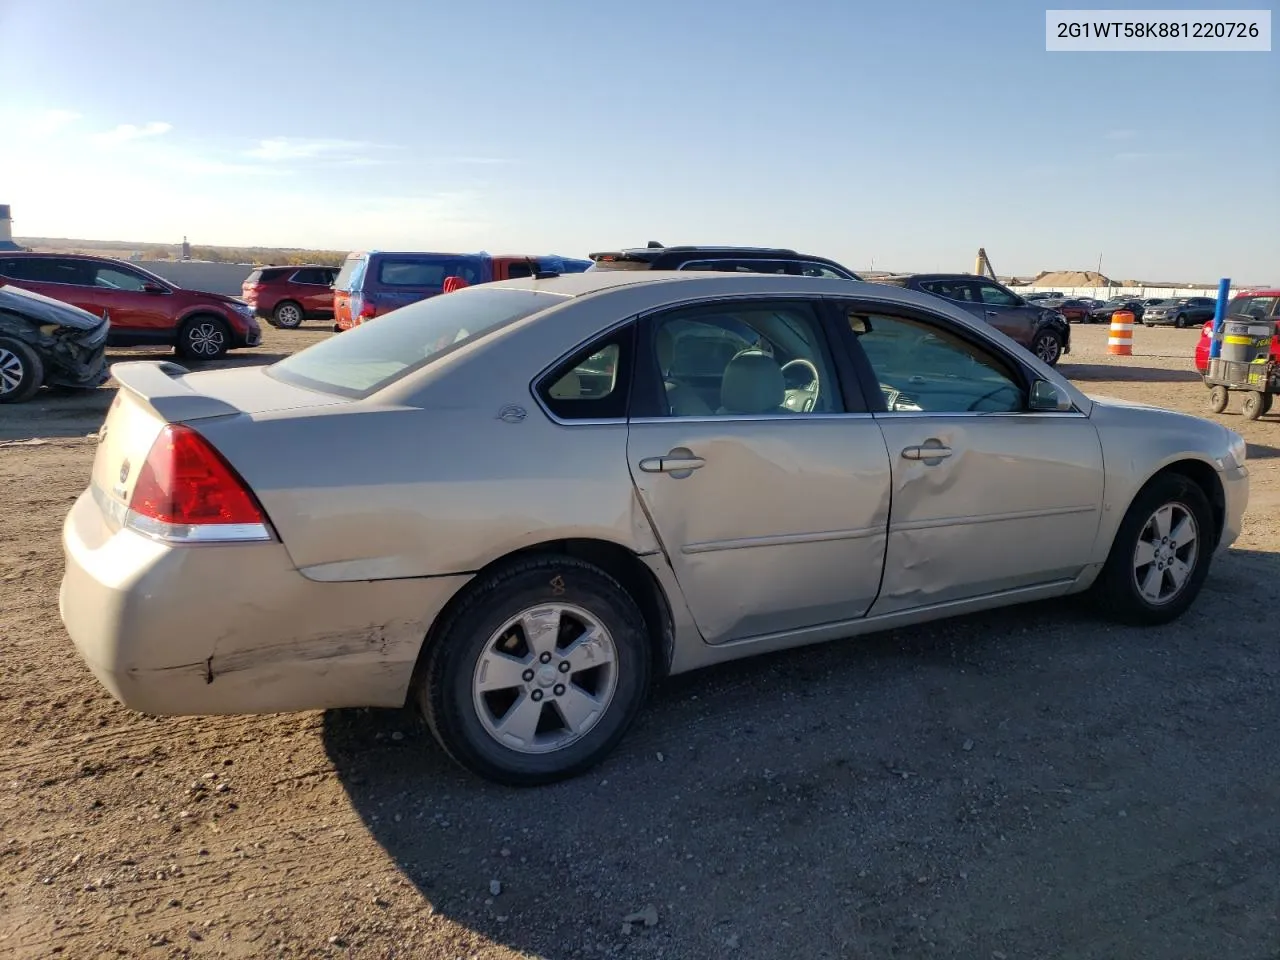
pixel 987 343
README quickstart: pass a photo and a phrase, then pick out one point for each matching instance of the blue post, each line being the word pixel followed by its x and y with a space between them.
pixel 1219 317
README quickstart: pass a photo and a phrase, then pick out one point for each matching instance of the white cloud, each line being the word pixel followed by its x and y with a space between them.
pixel 130 131
pixel 48 123
pixel 277 149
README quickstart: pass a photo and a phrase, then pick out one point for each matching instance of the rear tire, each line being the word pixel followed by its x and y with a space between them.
pixel 21 372
pixel 1161 554
pixel 1219 397
pixel 287 315
pixel 203 338
pixel 1254 406
pixel 484 674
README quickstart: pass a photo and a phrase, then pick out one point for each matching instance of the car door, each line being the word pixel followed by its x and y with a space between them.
pixel 1008 312
pixel 132 302
pixel 989 496
pixel 770 496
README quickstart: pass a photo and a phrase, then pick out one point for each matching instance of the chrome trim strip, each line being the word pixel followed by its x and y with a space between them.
pixel 781 540
pixel 119 514
pixel 736 417
pixel 989 518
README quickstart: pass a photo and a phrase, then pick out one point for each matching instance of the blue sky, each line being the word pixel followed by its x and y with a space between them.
pixel 900 134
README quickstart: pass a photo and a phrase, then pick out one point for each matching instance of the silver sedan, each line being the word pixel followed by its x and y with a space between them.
pixel 519 504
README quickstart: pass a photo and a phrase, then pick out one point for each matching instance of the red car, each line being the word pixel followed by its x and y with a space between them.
pixel 143 309
pixel 285 296
pixel 1254 305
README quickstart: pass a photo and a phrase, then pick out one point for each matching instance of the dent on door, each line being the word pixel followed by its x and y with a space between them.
pixel 770 525
pixel 983 505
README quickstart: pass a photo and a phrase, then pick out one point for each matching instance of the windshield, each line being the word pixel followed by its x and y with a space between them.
pixel 375 354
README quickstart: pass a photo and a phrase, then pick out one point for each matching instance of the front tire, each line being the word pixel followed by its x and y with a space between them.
pixel 1161 554
pixel 287 315
pixel 1255 405
pixel 21 372
pixel 538 674
pixel 203 338
pixel 1180 322
pixel 1048 347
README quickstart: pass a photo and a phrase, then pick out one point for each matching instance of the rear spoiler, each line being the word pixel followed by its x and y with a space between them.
pixel 153 382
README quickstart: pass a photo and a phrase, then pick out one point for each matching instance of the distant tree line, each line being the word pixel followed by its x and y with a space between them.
pixel 260 255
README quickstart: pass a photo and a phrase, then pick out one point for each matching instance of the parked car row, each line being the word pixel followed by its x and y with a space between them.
pixel 376 282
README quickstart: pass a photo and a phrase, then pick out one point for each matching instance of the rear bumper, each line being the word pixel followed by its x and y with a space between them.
pixel 225 629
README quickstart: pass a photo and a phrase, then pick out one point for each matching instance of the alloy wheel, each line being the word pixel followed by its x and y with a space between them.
pixel 1166 553
pixel 205 339
pixel 545 678
pixel 11 371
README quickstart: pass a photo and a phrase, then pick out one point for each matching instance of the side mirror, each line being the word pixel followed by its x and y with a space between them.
pixel 1045 397
pixel 154 288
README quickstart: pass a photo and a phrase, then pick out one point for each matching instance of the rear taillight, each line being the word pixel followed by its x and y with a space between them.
pixel 187 493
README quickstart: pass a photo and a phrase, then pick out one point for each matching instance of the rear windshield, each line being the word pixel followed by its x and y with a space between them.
pixel 613 261
pixel 1256 308
pixel 346 276
pixel 254 277
pixel 367 358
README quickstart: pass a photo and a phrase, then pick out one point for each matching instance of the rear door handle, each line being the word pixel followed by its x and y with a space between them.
pixel 671 464
pixel 926 454
pixel 993 313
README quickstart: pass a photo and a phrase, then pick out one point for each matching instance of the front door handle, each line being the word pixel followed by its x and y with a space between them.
pixel 669 464
pixel 929 454
pixel 993 313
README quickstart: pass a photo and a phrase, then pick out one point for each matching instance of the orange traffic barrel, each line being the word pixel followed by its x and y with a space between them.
pixel 1120 342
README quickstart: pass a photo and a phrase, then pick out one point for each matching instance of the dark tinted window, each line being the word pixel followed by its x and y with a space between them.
pixel 516 270
pixel 50 270
pixel 961 290
pixel 411 273
pixel 594 383
pixel 312 275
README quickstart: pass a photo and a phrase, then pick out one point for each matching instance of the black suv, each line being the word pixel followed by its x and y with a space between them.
pixel 1043 331
pixel 728 259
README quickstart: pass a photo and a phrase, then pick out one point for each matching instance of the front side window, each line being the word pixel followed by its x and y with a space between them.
pixel 821 270
pixel 996 296
pixel 755 358
pixel 114 279
pixel 372 356
pixel 925 368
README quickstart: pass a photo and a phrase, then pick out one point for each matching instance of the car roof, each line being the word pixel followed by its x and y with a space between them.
pixel 934 276
pixel 1258 293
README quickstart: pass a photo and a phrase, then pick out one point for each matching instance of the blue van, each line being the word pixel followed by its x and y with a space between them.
pixel 375 282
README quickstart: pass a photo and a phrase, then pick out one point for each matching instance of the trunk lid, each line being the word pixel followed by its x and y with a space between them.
pixel 153 394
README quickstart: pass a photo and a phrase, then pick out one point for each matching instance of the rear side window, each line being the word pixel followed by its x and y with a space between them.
pixel 411 273
pixel 517 270
pixel 374 355
pixel 595 383
pixel 351 274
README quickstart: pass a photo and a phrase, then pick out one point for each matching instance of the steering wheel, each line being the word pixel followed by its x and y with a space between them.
pixel 814 390
pixel 991 393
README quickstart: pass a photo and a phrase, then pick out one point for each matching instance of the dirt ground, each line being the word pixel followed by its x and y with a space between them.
pixel 1029 783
